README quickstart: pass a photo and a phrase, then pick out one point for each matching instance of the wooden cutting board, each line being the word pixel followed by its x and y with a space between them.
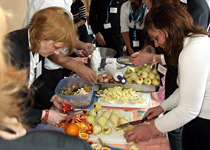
pixel 114 137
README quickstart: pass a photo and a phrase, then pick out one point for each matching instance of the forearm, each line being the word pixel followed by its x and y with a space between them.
pixel 80 23
pixel 78 44
pixel 64 61
pixel 126 39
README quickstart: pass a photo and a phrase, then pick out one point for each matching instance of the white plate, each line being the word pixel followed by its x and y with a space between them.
pixel 114 137
pixel 147 103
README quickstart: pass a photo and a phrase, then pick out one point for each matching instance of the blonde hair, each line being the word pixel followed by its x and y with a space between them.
pixel 12 82
pixel 52 23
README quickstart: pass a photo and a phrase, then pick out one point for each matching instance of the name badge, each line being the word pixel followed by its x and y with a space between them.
pixel 107 25
pixel 113 10
pixel 135 43
pixel 162 69
pixel 38 69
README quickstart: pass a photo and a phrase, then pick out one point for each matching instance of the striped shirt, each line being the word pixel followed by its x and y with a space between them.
pixel 78 10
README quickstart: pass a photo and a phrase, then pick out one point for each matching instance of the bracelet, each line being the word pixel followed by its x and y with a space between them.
pixel 46 116
pixel 154 58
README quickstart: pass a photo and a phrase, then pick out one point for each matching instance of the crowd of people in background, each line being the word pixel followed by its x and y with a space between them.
pixel 54 42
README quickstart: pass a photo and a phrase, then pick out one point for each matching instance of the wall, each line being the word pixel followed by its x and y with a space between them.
pixel 15 12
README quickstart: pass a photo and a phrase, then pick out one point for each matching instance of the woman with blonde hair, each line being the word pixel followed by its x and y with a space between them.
pixel 50 30
pixel 14 92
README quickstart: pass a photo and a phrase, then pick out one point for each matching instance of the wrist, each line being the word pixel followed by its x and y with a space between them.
pixel 153 130
pixel 45 115
pixel 154 58
pixel 78 25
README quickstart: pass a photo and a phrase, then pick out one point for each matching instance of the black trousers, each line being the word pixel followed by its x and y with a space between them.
pixel 114 41
pixel 196 135
pixel 175 136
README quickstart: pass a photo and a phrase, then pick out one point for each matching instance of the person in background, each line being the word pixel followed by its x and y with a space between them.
pixel 55 63
pixel 132 23
pixel 14 93
pixel 79 14
pixel 29 48
pixel 105 24
pixel 187 106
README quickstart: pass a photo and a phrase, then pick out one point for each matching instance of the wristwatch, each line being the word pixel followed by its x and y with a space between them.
pixel 46 116
pixel 154 58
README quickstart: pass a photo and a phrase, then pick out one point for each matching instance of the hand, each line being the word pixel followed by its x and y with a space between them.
pixel 86 73
pixel 59 102
pixel 83 60
pixel 153 112
pixel 100 39
pixel 141 58
pixel 80 53
pixel 142 132
pixel 55 117
pixel 87 48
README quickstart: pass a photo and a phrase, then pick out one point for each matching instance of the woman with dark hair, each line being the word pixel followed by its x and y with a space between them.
pixel 188 47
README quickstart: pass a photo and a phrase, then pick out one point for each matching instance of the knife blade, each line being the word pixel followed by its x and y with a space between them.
pixel 134 122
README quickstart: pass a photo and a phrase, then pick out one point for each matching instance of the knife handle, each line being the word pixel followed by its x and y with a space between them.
pixel 145 119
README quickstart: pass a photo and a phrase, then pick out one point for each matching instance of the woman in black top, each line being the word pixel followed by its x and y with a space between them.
pixel 13 91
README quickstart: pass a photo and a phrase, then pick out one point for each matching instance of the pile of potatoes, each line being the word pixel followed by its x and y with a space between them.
pixel 100 122
pixel 142 75
pixel 105 78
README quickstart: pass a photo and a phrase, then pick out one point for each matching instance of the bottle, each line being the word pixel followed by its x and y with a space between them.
pixel 117 75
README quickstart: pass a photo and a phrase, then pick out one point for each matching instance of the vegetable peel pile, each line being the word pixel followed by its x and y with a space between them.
pixel 79 90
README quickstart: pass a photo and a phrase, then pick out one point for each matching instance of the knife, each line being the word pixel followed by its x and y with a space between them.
pixel 134 122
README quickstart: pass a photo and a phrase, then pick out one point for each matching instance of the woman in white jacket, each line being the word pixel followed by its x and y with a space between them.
pixel 188 46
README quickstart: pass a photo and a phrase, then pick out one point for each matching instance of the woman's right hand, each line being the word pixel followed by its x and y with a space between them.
pixel 153 112
pixel 55 117
pixel 100 39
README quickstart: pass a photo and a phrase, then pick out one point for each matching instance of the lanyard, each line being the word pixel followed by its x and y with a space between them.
pixel 139 16
pixel 107 17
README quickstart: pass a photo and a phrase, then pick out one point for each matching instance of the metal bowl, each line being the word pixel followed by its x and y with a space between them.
pixel 106 52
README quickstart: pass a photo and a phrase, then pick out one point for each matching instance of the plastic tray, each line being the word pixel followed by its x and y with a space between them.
pixel 78 101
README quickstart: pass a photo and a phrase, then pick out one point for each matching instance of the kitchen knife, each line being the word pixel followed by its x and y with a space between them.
pixel 134 122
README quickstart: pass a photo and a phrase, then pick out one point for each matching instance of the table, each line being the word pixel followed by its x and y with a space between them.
pixel 159 143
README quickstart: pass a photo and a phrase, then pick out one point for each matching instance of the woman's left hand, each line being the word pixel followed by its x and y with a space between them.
pixel 83 60
pixel 142 132
pixel 141 58
pixel 59 102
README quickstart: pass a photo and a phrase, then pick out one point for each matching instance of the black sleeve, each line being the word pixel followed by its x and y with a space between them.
pixel 32 117
pixel 45 140
pixel 42 94
pixel 93 17
pixel 199 10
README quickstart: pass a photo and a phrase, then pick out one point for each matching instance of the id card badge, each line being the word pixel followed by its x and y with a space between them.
pixel 162 69
pixel 38 69
pixel 135 43
pixel 107 25
pixel 113 10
